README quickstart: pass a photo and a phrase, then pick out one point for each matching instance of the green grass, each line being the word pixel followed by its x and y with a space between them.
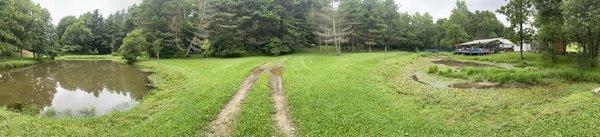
pixel 255 116
pixel 15 62
pixel 360 94
pixel 499 75
pixel 91 57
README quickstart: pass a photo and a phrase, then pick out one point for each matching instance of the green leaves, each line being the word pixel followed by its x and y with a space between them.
pixel 133 46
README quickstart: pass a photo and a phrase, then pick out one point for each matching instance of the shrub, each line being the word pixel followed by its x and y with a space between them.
pixel 433 69
pixel 133 45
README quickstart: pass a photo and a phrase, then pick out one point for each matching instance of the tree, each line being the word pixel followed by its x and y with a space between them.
pixel 486 25
pixel 41 34
pixel 77 39
pixel 63 24
pixel 372 24
pixel 116 29
pixel 133 46
pixel 581 19
pixel 331 26
pixel 352 10
pixel 464 18
pixel 24 26
pixel 167 20
pixel 454 34
pixel 423 29
pixel 391 26
pixel 16 22
pixel 518 12
pixel 549 21
pixel 95 22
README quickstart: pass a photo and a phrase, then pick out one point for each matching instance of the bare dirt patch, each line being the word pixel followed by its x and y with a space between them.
pixel 223 124
pixel 282 115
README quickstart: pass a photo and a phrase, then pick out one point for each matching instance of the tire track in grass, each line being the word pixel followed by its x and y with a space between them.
pixel 282 114
pixel 223 124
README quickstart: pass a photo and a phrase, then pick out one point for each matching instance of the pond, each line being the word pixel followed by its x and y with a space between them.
pixel 74 88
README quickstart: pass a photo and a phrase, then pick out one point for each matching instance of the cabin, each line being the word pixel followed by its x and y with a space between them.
pixel 484 46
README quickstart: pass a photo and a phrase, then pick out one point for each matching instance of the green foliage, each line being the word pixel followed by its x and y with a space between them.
pixel 63 24
pixel 26 26
pixel 581 19
pixel 433 69
pixel 16 63
pixel 7 50
pixel 133 46
pixel 235 31
pixel 277 47
pixel 76 39
pixel 172 22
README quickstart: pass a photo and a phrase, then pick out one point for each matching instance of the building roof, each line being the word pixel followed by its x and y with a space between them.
pixel 486 41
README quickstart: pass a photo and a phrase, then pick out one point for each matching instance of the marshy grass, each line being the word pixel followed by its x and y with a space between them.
pixel 16 63
pixel 499 75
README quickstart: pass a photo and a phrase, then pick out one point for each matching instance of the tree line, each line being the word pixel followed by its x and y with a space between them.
pixel 232 28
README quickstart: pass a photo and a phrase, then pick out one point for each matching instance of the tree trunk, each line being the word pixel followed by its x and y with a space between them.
pixel 21 53
pixel 386 48
pixel 522 41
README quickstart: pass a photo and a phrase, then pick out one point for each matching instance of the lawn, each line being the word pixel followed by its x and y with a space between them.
pixel 356 94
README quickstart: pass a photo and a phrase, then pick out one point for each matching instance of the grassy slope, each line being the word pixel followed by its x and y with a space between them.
pixel 367 94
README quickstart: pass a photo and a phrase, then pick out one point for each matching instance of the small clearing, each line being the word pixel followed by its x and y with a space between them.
pixel 282 116
pixel 223 124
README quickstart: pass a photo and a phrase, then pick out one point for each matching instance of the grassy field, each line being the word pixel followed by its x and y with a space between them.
pixel 358 94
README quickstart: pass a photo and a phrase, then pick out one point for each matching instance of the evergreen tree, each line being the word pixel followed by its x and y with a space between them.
pixel 372 26
pixel 518 12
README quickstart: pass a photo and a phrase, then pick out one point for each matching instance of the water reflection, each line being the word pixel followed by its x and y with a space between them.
pixel 75 88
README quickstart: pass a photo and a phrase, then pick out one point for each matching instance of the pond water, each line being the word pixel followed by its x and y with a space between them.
pixel 74 88
pixel 455 63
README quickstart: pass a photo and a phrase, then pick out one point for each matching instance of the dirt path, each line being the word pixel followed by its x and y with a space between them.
pixel 282 116
pixel 223 124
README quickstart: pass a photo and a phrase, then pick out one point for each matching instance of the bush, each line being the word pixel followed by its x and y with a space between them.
pixel 6 50
pixel 133 45
pixel 433 69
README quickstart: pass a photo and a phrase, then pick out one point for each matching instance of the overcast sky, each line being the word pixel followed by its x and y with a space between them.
pixel 437 8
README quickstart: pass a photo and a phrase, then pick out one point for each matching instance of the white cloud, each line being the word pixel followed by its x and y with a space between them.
pixel 63 8
pixel 437 8
pixel 442 8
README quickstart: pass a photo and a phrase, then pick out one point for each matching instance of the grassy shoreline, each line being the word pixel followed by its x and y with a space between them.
pixel 16 63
